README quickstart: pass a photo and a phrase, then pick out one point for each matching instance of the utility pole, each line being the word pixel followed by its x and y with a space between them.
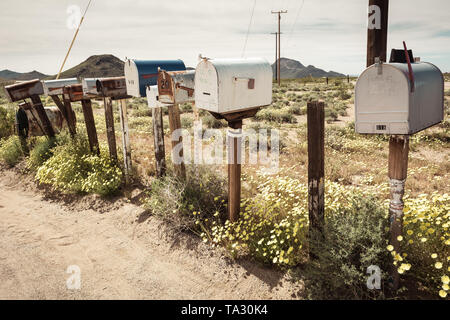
pixel 276 54
pixel 377 31
pixel 279 44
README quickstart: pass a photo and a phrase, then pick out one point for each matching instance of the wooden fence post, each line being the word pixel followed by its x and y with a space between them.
pixel 43 118
pixel 110 132
pixel 69 115
pixel 90 125
pixel 377 38
pixel 234 169
pixel 175 124
pixel 125 138
pixel 316 169
pixel 398 169
pixel 158 138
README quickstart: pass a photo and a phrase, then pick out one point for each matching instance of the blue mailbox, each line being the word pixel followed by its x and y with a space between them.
pixel 142 73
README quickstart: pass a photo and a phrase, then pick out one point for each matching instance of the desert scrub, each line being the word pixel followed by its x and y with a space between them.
pixel 6 122
pixel 425 244
pixel 202 195
pixel 271 114
pixel 273 223
pixel 11 151
pixel 41 151
pixel 72 168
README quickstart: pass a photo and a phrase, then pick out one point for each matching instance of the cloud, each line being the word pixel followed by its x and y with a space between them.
pixel 330 34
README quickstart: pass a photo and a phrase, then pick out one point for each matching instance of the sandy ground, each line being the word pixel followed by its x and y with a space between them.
pixel 122 252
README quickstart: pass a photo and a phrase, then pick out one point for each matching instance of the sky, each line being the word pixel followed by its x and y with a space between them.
pixel 329 34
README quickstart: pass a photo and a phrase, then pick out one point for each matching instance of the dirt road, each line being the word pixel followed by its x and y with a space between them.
pixel 121 251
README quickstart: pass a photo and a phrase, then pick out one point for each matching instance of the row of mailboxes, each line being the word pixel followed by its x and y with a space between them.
pixel 221 86
pixel 399 98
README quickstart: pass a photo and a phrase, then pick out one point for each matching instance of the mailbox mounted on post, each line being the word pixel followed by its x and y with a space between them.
pixel 23 90
pixel 55 87
pixel 142 73
pixel 399 98
pixel 176 87
pixel 225 86
pixel 114 88
pixel 153 97
pixel 75 93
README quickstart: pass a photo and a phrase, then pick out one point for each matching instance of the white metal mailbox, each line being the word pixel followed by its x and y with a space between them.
pixel 55 87
pixel 387 101
pixel 90 86
pixel 176 87
pixel 233 85
pixel 153 97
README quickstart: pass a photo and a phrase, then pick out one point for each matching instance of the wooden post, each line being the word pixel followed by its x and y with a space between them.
pixel 66 110
pixel 234 169
pixel 158 138
pixel 398 168
pixel 42 116
pixel 316 169
pixel 110 132
pixel 90 125
pixel 377 38
pixel 327 80
pixel 175 124
pixel 125 138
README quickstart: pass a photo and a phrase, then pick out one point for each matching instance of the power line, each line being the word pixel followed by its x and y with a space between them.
pixel 248 30
pixel 295 22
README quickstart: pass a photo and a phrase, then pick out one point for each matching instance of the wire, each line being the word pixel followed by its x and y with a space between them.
pixel 248 30
pixel 295 22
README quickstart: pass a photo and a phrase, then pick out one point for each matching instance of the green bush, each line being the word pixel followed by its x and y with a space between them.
pixel 40 153
pixel 6 122
pixel 203 192
pixel 11 150
pixel 275 115
pixel 355 238
pixel 213 123
pixel 72 168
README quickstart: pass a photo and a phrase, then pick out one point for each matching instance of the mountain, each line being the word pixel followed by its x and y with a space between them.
pixel 105 65
pixel 293 69
pixel 12 75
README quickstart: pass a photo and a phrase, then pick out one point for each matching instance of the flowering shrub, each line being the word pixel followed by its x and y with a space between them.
pixel 11 150
pixel 426 242
pixel 72 168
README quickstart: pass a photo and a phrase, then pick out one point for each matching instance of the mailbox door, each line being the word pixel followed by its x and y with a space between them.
pixel 153 97
pixel 184 85
pixel 206 87
pixel 90 86
pixel 382 101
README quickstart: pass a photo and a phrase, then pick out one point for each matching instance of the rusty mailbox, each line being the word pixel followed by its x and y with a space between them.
pixel 55 87
pixel 225 86
pixel 176 87
pixel 114 87
pixel 399 98
pixel 142 73
pixel 29 119
pixel 23 90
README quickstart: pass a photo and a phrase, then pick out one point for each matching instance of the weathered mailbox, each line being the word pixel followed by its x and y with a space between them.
pixel 23 90
pixel 29 120
pixel 176 87
pixel 55 87
pixel 142 73
pixel 226 86
pixel 153 97
pixel 114 87
pixel 90 86
pixel 391 98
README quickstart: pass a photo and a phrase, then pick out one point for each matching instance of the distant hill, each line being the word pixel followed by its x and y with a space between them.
pixel 105 65
pixel 293 69
pixel 12 75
